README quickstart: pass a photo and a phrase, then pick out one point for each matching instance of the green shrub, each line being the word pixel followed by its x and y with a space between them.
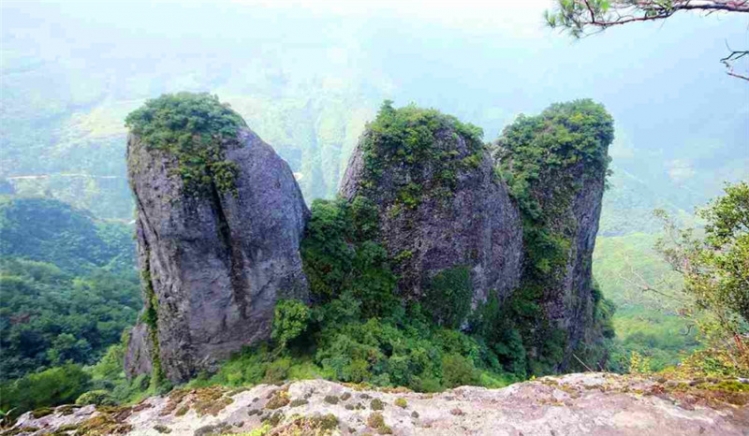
pixel 289 321
pixel 127 390
pixel 341 257
pixel 458 371
pixel 277 371
pixel 98 398
pixel 448 296
pixel 402 350
pixel 47 388
pixel 357 371
pixel 429 383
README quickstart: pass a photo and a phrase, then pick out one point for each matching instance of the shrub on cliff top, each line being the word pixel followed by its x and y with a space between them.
pixel 97 397
pixel 411 139
pixel 563 135
pixel 194 128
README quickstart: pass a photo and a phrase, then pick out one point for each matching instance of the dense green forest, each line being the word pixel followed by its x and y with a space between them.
pixel 48 230
pixel 69 285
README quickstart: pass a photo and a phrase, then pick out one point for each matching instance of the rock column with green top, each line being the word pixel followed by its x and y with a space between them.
pixel 219 220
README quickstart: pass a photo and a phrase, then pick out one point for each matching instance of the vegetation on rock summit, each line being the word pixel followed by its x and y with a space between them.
pixel 196 129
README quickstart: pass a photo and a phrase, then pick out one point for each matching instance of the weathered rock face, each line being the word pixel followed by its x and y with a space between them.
pixel 213 265
pixel 570 300
pixel 441 207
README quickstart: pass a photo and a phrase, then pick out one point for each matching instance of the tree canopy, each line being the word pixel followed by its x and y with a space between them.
pixel 716 271
pixel 49 317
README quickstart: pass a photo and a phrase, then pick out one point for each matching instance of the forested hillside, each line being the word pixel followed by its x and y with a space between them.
pixel 69 285
pixel 47 230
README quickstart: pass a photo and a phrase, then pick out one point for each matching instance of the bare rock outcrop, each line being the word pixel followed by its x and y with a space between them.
pixel 577 404
pixel 442 209
pixel 213 263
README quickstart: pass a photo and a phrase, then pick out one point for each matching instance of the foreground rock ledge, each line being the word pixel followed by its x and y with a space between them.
pixel 576 404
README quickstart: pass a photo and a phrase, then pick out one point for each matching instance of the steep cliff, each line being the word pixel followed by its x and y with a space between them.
pixel 444 216
pixel 219 223
pixel 556 165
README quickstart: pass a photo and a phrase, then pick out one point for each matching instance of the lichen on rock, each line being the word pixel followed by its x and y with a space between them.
pixel 574 404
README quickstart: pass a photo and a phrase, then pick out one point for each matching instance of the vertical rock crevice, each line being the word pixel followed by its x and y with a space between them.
pixel 235 258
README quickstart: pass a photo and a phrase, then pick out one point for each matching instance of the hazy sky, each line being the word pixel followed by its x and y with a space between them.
pixel 521 18
pixel 678 114
pixel 452 47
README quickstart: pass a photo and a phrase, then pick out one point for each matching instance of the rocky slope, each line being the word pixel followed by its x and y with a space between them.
pixel 577 404
pixel 441 206
pixel 213 264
